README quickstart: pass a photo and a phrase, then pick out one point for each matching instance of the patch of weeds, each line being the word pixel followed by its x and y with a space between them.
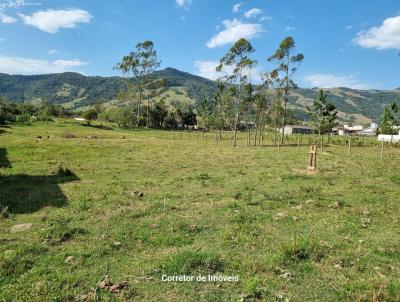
pixel 164 235
pixel 60 231
pixel 203 176
pixel 302 250
pixel 295 177
pixel 311 191
pixel 83 204
pixel 14 262
pixel 395 179
pixel 253 288
pixel 238 195
pixel 394 291
pixel 4 212
pixel 190 229
pixel 189 262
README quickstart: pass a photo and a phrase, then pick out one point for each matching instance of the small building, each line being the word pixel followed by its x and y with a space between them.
pixel 296 129
pixel 367 132
pixel 353 128
pixel 78 120
pixel 389 138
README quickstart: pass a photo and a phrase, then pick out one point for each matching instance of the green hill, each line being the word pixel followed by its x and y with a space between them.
pixel 74 90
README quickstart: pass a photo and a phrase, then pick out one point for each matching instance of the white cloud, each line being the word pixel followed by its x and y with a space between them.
pixel 52 52
pixel 5 19
pixel 207 69
pixel 184 3
pixel 253 12
pixel 18 3
pixel 233 31
pixel 323 80
pixel 52 20
pixel 16 65
pixel 349 27
pixel 290 28
pixel 2 39
pixel 386 36
pixel 265 18
pixel 236 7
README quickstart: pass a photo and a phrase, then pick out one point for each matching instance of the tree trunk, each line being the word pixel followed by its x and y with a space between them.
pixel 148 114
pixel 235 128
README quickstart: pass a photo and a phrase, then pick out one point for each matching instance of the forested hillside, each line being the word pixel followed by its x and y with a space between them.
pixel 74 90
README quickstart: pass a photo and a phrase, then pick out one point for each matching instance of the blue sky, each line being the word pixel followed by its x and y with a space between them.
pixel 346 43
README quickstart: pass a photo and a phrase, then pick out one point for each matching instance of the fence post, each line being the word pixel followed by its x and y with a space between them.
pixel 312 158
pixel 382 151
pixel 349 149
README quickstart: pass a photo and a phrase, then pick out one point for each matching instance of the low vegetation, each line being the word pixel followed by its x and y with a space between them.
pixel 96 213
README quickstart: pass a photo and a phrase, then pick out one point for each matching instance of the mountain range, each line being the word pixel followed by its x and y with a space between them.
pixel 74 91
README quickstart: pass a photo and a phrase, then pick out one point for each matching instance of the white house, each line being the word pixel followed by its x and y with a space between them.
pixel 389 138
pixel 297 129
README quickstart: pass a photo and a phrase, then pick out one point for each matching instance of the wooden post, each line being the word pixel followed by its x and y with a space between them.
pixel 322 143
pixel 312 158
pixel 382 150
pixel 349 148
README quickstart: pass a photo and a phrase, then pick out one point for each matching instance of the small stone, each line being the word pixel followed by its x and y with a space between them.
pixel 136 194
pixel 325 243
pixel 279 296
pixel 360 241
pixel 365 212
pixel 117 243
pixel 117 287
pixel 298 207
pixel 309 201
pixel 365 222
pixel 82 298
pixel 335 205
pixel 337 266
pixel 105 283
pixel 286 275
pixel 279 216
pixel 21 227
pixel 295 218
pixel 69 259
pixel 154 226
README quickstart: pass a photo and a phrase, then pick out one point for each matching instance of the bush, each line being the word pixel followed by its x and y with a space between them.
pixel 23 118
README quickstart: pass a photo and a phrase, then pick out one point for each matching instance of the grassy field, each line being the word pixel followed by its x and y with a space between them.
pixel 206 208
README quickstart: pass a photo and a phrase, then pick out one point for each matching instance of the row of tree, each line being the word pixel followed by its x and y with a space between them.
pixel 27 112
pixel 160 116
pixel 238 104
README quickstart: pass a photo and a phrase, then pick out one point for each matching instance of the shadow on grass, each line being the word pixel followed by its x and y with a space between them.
pixel 23 193
pixel 4 162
